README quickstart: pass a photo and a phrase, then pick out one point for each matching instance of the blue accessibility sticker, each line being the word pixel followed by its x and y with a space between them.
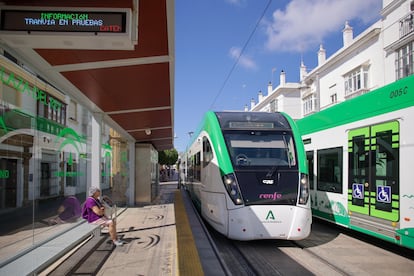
pixel 384 194
pixel 358 191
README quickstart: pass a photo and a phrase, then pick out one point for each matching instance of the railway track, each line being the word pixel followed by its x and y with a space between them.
pixel 328 251
pixel 267 257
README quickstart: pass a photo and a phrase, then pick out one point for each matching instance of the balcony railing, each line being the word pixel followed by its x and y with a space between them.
pixel 12 118
pixel 407 25
pixel 353 94
pixel 310 106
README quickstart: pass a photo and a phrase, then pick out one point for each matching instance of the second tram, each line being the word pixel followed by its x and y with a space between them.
pixel 359 154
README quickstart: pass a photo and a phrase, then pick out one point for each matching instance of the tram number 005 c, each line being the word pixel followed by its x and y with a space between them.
pixel 399 92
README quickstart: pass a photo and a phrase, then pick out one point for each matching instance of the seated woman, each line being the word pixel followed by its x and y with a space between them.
pixel 94 212
pixel 69 210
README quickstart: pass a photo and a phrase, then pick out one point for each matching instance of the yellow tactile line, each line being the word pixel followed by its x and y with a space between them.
pixel 188 259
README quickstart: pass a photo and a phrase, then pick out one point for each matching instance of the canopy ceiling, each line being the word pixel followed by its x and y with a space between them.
pixel 131 85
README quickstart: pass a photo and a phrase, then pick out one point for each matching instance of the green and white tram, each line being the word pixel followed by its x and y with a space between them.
pixel 247 173
pixel 360 154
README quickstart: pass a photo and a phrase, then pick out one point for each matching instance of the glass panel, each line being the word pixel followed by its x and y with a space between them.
pixel 117 168
pixel 207 152
pixel 330 170
pixel 261 148
pixel 358 169
pixel 43 164
pixel 310 159
pixel 358 81
pixel 404 61
pixel 386 170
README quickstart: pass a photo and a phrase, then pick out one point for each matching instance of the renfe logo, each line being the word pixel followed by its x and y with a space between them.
pixel 273 196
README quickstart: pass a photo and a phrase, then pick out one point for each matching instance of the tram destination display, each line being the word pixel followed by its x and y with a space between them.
pixel 63 21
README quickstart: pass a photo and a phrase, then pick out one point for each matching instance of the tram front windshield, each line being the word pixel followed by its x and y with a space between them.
pixel 261 148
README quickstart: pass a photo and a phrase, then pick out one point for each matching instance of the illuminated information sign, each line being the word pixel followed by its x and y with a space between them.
pixel 63 21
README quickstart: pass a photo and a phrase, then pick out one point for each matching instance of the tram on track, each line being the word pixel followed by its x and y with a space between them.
pixel 359 155
pixel 247 173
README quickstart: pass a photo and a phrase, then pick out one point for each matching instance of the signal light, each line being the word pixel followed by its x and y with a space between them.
pixel 230 183
pixel 303 189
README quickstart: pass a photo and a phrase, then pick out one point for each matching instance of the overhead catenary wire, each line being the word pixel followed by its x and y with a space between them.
pixel 240 54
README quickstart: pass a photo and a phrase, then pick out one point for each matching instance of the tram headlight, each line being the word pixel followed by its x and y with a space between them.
pixel 304 189
pixel 232 188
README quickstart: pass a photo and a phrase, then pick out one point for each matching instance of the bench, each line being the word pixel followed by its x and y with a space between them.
pixel 41 255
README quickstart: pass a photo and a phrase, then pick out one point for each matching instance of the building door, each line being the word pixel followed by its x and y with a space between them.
pixel 8 183
pixel 373 187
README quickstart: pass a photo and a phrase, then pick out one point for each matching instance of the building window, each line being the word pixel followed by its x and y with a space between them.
pixel 356 80
pixel 73 111
pixel 332 92
pixel 404 61
pixel 273 105
pixel 55 110
pixel 334 98
pixel 10 96
pixel 71 174
pixel 309 104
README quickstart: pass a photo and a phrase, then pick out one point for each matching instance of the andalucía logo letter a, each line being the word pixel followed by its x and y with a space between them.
pixel 270 215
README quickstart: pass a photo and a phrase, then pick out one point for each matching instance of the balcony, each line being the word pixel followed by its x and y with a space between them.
pixel 310 105
pixel 356 93
pixel 12 118
pixel 407 25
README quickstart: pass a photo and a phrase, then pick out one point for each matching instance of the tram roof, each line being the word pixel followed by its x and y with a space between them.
pixel 132 88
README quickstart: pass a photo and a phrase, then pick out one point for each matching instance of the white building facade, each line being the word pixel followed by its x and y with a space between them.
pixel 284 98
pixel 380 55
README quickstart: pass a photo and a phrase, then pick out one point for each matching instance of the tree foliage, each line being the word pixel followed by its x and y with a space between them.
pixel 168 157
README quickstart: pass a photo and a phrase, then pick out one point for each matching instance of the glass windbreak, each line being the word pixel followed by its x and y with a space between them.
pixel 45 162
pixel 261 148
pixel 115 168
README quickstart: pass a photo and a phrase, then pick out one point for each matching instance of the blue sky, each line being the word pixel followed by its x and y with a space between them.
pixel 210 73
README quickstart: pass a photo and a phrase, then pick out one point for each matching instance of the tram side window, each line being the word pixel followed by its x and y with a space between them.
pixel 309 158
pixel 190 170
pixel 197 166
pixel 330 170
pixel 194 168
pixel 207 152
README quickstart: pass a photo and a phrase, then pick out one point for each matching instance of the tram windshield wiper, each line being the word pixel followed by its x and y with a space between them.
pixel 271 172
pixel 288 153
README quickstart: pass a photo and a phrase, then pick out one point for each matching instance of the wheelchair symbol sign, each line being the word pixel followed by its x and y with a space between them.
pixel 358 191
pixel 384 194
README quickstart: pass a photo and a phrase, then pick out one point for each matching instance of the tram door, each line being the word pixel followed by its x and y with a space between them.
pixel 373 187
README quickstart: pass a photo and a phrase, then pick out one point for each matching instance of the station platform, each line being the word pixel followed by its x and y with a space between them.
pixel 164 238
